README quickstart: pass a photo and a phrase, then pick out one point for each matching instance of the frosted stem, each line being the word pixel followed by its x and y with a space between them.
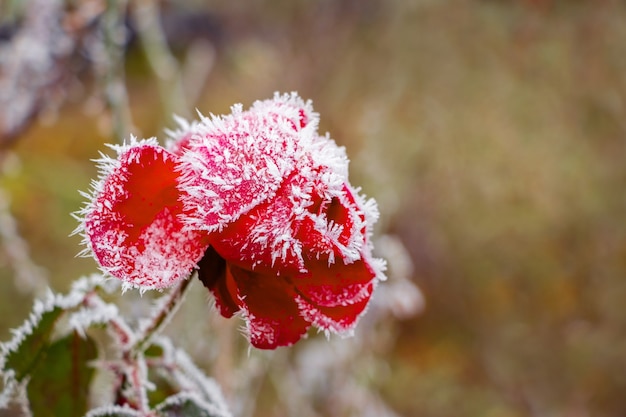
pixel 163 314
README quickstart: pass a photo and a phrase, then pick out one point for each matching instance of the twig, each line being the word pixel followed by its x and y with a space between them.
pixel 164 313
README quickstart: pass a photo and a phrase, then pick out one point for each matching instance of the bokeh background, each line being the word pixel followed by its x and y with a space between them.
pixel 491 132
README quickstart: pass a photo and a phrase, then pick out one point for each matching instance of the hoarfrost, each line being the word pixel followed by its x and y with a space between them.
pixel 261 147
pixel 185 397
pixel 49 302
pixel 114 410
pixel 190 378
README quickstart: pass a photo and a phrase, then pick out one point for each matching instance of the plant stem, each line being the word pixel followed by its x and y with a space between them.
pixel 164 313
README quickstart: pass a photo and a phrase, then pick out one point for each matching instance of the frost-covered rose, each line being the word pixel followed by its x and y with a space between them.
pixel 259 202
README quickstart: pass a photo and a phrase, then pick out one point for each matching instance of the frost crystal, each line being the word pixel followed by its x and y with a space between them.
pixel 244 157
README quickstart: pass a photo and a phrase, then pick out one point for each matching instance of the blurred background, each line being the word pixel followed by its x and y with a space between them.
pixel 492 133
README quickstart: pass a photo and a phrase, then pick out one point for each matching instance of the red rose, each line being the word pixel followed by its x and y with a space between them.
pixel 259 203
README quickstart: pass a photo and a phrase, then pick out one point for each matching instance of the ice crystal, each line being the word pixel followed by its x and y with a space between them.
pixel 244 157
pixel 114 410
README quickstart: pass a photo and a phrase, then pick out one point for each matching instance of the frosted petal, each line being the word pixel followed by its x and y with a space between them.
pixel 132 224
pixel 244 157
pixel 338 319
pixel 272 314
pixel 214 275
pixel 337 284
pixel 306 225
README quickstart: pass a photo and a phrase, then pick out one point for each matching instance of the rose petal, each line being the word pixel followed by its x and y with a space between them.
pixel 132 225
pixel 234 163
pixel 339 319
pixel 297 226
pixel 334 227
pixel 213 273
pixel 272 314
pixel 336 284
pixel 262 239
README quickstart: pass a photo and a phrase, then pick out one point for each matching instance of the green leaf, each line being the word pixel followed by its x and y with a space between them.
pixel 153 351
pixel 59 385
pixel 186 405
pixel 26 356
pixel 163 387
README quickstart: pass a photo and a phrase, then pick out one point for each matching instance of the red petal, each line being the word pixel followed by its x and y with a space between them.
pixel 133 226
pixel 214 275
pixel 339 319
pixel 336 284
pixel 271 311
pixel 235 162
pixel 279 235
pixel 261 240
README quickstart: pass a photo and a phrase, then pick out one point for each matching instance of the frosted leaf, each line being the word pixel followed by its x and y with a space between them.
pixel 208 390
pixel 188 404
pixel 20 334
pixel 46 312
pixel 96 311
pixel 189 377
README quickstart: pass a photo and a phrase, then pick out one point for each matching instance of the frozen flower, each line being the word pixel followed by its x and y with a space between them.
pixel 260 203
pixel 133 225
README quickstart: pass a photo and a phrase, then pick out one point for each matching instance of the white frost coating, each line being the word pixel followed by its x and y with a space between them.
pixel 98 312
pixel 183 397
pixel 105 166
pixel 244 157
pixel 191 376
pixel 160 257
pixel 108 410
pixel 74 298
pixel 9 388
pixel 178 136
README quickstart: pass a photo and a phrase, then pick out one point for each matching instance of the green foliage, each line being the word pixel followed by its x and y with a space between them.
pixel 49 365
pixel 28 355
pixel 60 381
